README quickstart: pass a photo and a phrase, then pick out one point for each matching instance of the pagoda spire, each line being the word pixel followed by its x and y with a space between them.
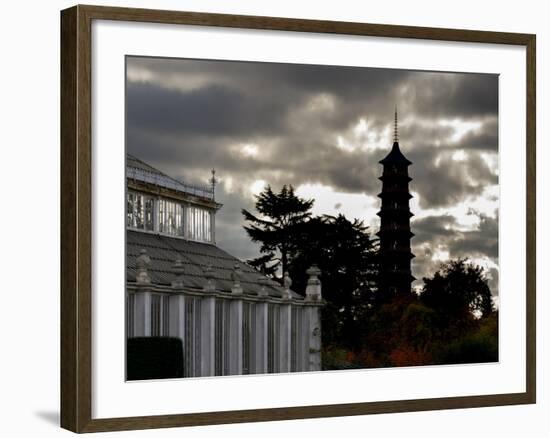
pixel 395 128
pixel 395 234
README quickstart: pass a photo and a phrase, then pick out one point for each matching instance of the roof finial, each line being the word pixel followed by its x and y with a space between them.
pixel 395 131
pixel 213 182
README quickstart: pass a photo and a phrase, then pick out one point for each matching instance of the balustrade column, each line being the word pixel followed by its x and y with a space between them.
pixel 208 333
pixel 142 309
pixel 260 330
pixel 176 328
pixel 236 324
pixel 313 337
pixel 312 320
pixel 285 320
pixel 176 315
pixel 208 325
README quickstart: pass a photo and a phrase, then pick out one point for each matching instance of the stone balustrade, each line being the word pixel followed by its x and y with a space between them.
pixel 230 333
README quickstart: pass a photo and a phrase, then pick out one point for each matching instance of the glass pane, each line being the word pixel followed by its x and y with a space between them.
pixel 149 209
pixel 129 210
pixel 170 217
pixel 198 224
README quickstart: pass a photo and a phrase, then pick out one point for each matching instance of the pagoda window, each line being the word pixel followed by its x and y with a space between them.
pixel 139 211
pixel 170 217
pixel 199 224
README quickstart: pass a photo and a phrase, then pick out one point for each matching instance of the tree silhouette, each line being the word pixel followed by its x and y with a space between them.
pixel 346 255
pixel 342 249
pixel 280 213
pixel 452 320
pixel 459 288
pixel 265 264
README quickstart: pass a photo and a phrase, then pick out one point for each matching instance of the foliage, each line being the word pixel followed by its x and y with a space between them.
pixel 451 324
pixel 346 256
pixel 452 320
pixel 265 264
pixel 478 346
pixel 342 249
pixel 334 358
pixel 458 289
pixel 274 227
pixel 406 355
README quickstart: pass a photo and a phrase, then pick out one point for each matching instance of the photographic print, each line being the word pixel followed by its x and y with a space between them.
pixel 293 218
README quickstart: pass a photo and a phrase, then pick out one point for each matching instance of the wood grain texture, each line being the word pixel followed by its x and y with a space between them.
pixel 69 328
pixel 531 250
pixel 76 223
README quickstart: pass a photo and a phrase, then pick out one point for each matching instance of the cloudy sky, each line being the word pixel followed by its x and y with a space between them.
pixel 323 129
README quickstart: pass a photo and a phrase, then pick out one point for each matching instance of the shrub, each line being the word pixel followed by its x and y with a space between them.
pixel 338 359
pixel 154 358
pixel 479 347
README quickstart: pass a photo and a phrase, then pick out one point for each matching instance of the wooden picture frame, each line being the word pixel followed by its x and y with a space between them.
pixel 76 218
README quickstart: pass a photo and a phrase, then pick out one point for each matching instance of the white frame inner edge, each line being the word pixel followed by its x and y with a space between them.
pixel 113 397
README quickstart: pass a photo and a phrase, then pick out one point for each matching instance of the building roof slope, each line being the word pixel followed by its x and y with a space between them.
pixel 141 171
pixel 136 163
pixel 395 157
pixel 196 256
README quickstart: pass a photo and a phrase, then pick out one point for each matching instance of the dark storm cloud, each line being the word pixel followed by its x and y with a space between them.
pixel 427 228
pixel 430 94
pixel 471 95
pixel 478 242
pixel 485 140
pixel 259 103
pixel 229 231
pixel 483 240
pixel 456 180
pixel 302 125
pixel 285 82
pixel 433 233
pixel 220 111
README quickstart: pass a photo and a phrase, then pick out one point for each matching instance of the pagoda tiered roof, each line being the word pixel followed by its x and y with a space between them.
pixel 395 157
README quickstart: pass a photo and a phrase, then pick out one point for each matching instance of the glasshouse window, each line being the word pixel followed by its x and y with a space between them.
pixel 139 211
pixel 170 217
pixel 199 224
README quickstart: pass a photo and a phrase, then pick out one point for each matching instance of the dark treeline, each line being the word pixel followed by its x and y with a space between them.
pixel 451 320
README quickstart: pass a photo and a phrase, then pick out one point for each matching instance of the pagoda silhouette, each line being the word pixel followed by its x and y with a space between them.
pixel 395 230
